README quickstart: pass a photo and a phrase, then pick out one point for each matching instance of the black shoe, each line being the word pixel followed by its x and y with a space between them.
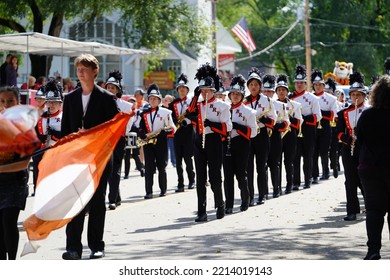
pixel 162 194
pixel 260 201
pixel 276 194
pixel 142 171
pixel 335 173
pixel 325 177
pixel 229 211
pixel 148 196
pixel 191 186
pixel 181 189
pixel 307 185
pixel 201 218
pixel 71 255
pixel 244 207
pixel 350 217
pixel 221 211
pixel 295 188
pixel 288 190
pixel 33 194
pixel 372 256
pixel 315 180
pixel 126 177
pixel 97 255
pixel 112 206
pixel 251 202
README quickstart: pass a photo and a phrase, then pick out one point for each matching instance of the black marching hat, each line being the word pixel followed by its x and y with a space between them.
pixel 255 74
pixel 282 81
pixel 300 73
pixel 153 90
pixel 330 85
pixel 316 77
pixel 114 78
pixel 269 82
pixel 237 85
pixel 182 81
pixel 53 91
pixel 207 77
pixel 40 93
pixel 356 80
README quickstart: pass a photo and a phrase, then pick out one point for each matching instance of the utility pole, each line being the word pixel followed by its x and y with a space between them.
pixel 214 36
pixel 308 46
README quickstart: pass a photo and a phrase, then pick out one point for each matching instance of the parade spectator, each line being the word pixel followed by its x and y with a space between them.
pixel 30 84
pixel 3 72
pixel 12 72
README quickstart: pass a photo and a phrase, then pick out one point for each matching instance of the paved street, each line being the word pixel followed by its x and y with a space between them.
pixel 306 224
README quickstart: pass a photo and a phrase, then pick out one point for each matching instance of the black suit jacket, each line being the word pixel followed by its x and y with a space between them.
pixel 102 107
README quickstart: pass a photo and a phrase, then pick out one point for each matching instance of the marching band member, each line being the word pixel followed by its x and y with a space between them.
pixel 185 134
pixel 212 123
pixel 281 124
pixel 346 124
pixel 323 138
pixel 260 145
pixel 48 128
pixel 330 87
pixel 158 122
pixel 113 85
pixel 237 145
pixel 289 136
pixel 311 113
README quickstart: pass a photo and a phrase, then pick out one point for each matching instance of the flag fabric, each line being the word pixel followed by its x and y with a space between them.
pixel 69 174
pixel 242 32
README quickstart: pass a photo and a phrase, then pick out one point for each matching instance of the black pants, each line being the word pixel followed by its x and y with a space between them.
pixel 96 219
pixel 352 180
pixel 305 149
pixel 289 147
pixel 273 161
pixel 155 157
pixel 134 153
pixel 376 184
pixel 35 163
pixel 184 150
pixel 260 146
pixel 236 164
pixel 9 233
pixel 114 195
pixel 321 149
pixel 210 157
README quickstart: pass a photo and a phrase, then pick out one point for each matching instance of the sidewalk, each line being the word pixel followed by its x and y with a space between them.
pixel 304 225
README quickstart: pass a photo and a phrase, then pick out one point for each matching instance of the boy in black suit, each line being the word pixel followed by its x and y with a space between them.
pixel 84 108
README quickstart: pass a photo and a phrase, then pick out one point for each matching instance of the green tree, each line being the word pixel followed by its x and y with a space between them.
pixel 152 23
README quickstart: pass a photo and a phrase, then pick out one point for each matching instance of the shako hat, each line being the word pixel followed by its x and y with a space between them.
pixel 153 90
pixel 356 80
pixel 269 82
pixel 207 77
pixel 237 84
pixel 330 85
pixel 53 91
pixel 182 81
pixel 300 73
pixel 282 81
pixel 40 93
pixel 114 78
pixel 316 77
pixel 255 74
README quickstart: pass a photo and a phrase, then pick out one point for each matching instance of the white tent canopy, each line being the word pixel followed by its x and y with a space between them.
pixel 41 44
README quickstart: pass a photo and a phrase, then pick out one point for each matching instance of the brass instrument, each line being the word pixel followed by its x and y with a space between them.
pixel 48 136
pixel 262 115
pixel 204 129
pixel 180 120
pixel 353 129
pixel 151 137
pixel 290 113
pixel 333 121
pixel 300 135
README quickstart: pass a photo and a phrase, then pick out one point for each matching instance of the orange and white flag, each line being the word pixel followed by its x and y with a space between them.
pixel 69 174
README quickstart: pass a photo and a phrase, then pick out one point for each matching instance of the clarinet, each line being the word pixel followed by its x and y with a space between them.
pixel 229 139
pixel 48 136
pixel 204 129
pixel 353 129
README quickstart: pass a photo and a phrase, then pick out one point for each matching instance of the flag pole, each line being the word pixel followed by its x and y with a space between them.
pixel 307 44
pixel 214 36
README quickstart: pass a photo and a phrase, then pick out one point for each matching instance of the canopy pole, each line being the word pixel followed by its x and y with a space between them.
pixel 27 64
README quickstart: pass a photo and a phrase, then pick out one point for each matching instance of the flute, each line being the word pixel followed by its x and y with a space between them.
pixel 204 129
pixel 353 129
pixel 48 136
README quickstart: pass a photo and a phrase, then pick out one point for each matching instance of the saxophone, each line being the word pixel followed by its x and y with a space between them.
pixel 262 115
pixel 180 120
pixel 291 114
pixel 151 137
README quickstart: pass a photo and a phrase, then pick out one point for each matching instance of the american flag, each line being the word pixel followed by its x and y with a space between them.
pixel 242 32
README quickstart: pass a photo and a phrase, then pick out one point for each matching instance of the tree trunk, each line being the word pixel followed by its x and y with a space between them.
pixel 39 65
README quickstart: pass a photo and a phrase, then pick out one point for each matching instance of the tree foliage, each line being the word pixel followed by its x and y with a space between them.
pixel 351 30
pixel 147 24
